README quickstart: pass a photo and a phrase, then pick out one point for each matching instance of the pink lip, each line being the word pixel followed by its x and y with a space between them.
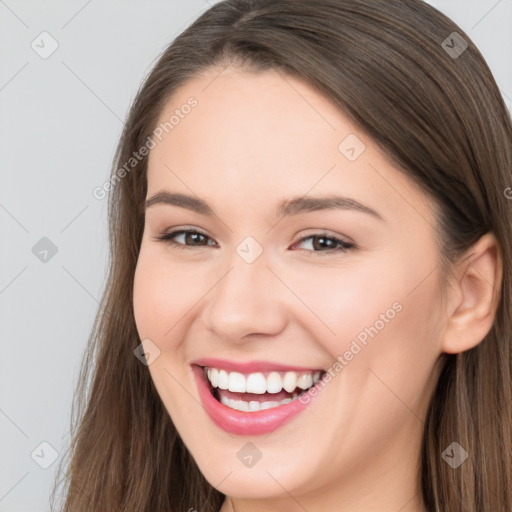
pixel 249 367
pixel 244 423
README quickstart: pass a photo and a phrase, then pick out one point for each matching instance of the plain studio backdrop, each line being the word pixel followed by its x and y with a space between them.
pixel 68 73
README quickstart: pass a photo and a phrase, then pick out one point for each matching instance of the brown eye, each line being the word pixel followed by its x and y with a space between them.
pixel 323 242
pixel 194 238
pixel 184 238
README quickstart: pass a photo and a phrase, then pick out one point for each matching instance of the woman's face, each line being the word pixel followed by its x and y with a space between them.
pixel 266 294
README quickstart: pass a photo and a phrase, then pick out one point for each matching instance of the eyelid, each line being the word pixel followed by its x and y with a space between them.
pixel 343 245
pixel 319 232
pixel 166 237
pixel 180 229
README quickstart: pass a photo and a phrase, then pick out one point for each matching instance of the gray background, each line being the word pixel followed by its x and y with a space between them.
pixel 59 124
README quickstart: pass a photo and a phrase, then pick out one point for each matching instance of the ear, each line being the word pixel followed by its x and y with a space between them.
pixel 474 296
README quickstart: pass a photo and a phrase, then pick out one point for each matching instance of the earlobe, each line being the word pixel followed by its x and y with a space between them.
pixel 477 291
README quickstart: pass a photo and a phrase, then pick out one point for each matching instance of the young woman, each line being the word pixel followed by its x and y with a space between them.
pixel 309 299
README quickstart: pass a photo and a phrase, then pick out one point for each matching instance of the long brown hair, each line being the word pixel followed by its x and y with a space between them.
pixel 438 116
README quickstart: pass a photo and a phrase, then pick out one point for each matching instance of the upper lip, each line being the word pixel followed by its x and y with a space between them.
pixel 250 366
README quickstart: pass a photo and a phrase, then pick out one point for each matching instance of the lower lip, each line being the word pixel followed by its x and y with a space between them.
pixel 244 423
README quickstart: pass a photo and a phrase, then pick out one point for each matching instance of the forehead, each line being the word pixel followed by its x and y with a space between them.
pixel 250 118
pixel 266 136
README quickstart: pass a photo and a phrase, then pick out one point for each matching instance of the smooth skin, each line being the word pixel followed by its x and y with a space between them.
pixel 253 140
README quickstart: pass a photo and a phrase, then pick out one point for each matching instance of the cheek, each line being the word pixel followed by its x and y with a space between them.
pixel 165 292
pixel 161 296
pixel 391 345
pixel 343 302
pixel 376 314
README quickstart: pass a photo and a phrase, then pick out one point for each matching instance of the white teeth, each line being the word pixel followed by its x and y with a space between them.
pixel 290 381
pixel 256 383
pixel 254 406
pixel 304 381
pixel 242 405
pixel 274 383
pixel 259 384
pixel 213 375
pixel 236 382
pixel 222 380
pixel 269 405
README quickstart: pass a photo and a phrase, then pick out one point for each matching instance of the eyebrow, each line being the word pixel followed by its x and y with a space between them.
pixel 287 207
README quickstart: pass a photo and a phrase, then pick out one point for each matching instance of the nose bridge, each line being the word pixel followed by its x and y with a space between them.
pixel 247 299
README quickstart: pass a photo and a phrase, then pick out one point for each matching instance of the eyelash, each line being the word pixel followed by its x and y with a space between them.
pixel 342 245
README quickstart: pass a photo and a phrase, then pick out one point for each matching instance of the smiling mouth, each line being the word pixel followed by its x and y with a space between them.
pixel 258 391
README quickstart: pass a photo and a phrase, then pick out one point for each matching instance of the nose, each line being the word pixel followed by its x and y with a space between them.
pixel 247 301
